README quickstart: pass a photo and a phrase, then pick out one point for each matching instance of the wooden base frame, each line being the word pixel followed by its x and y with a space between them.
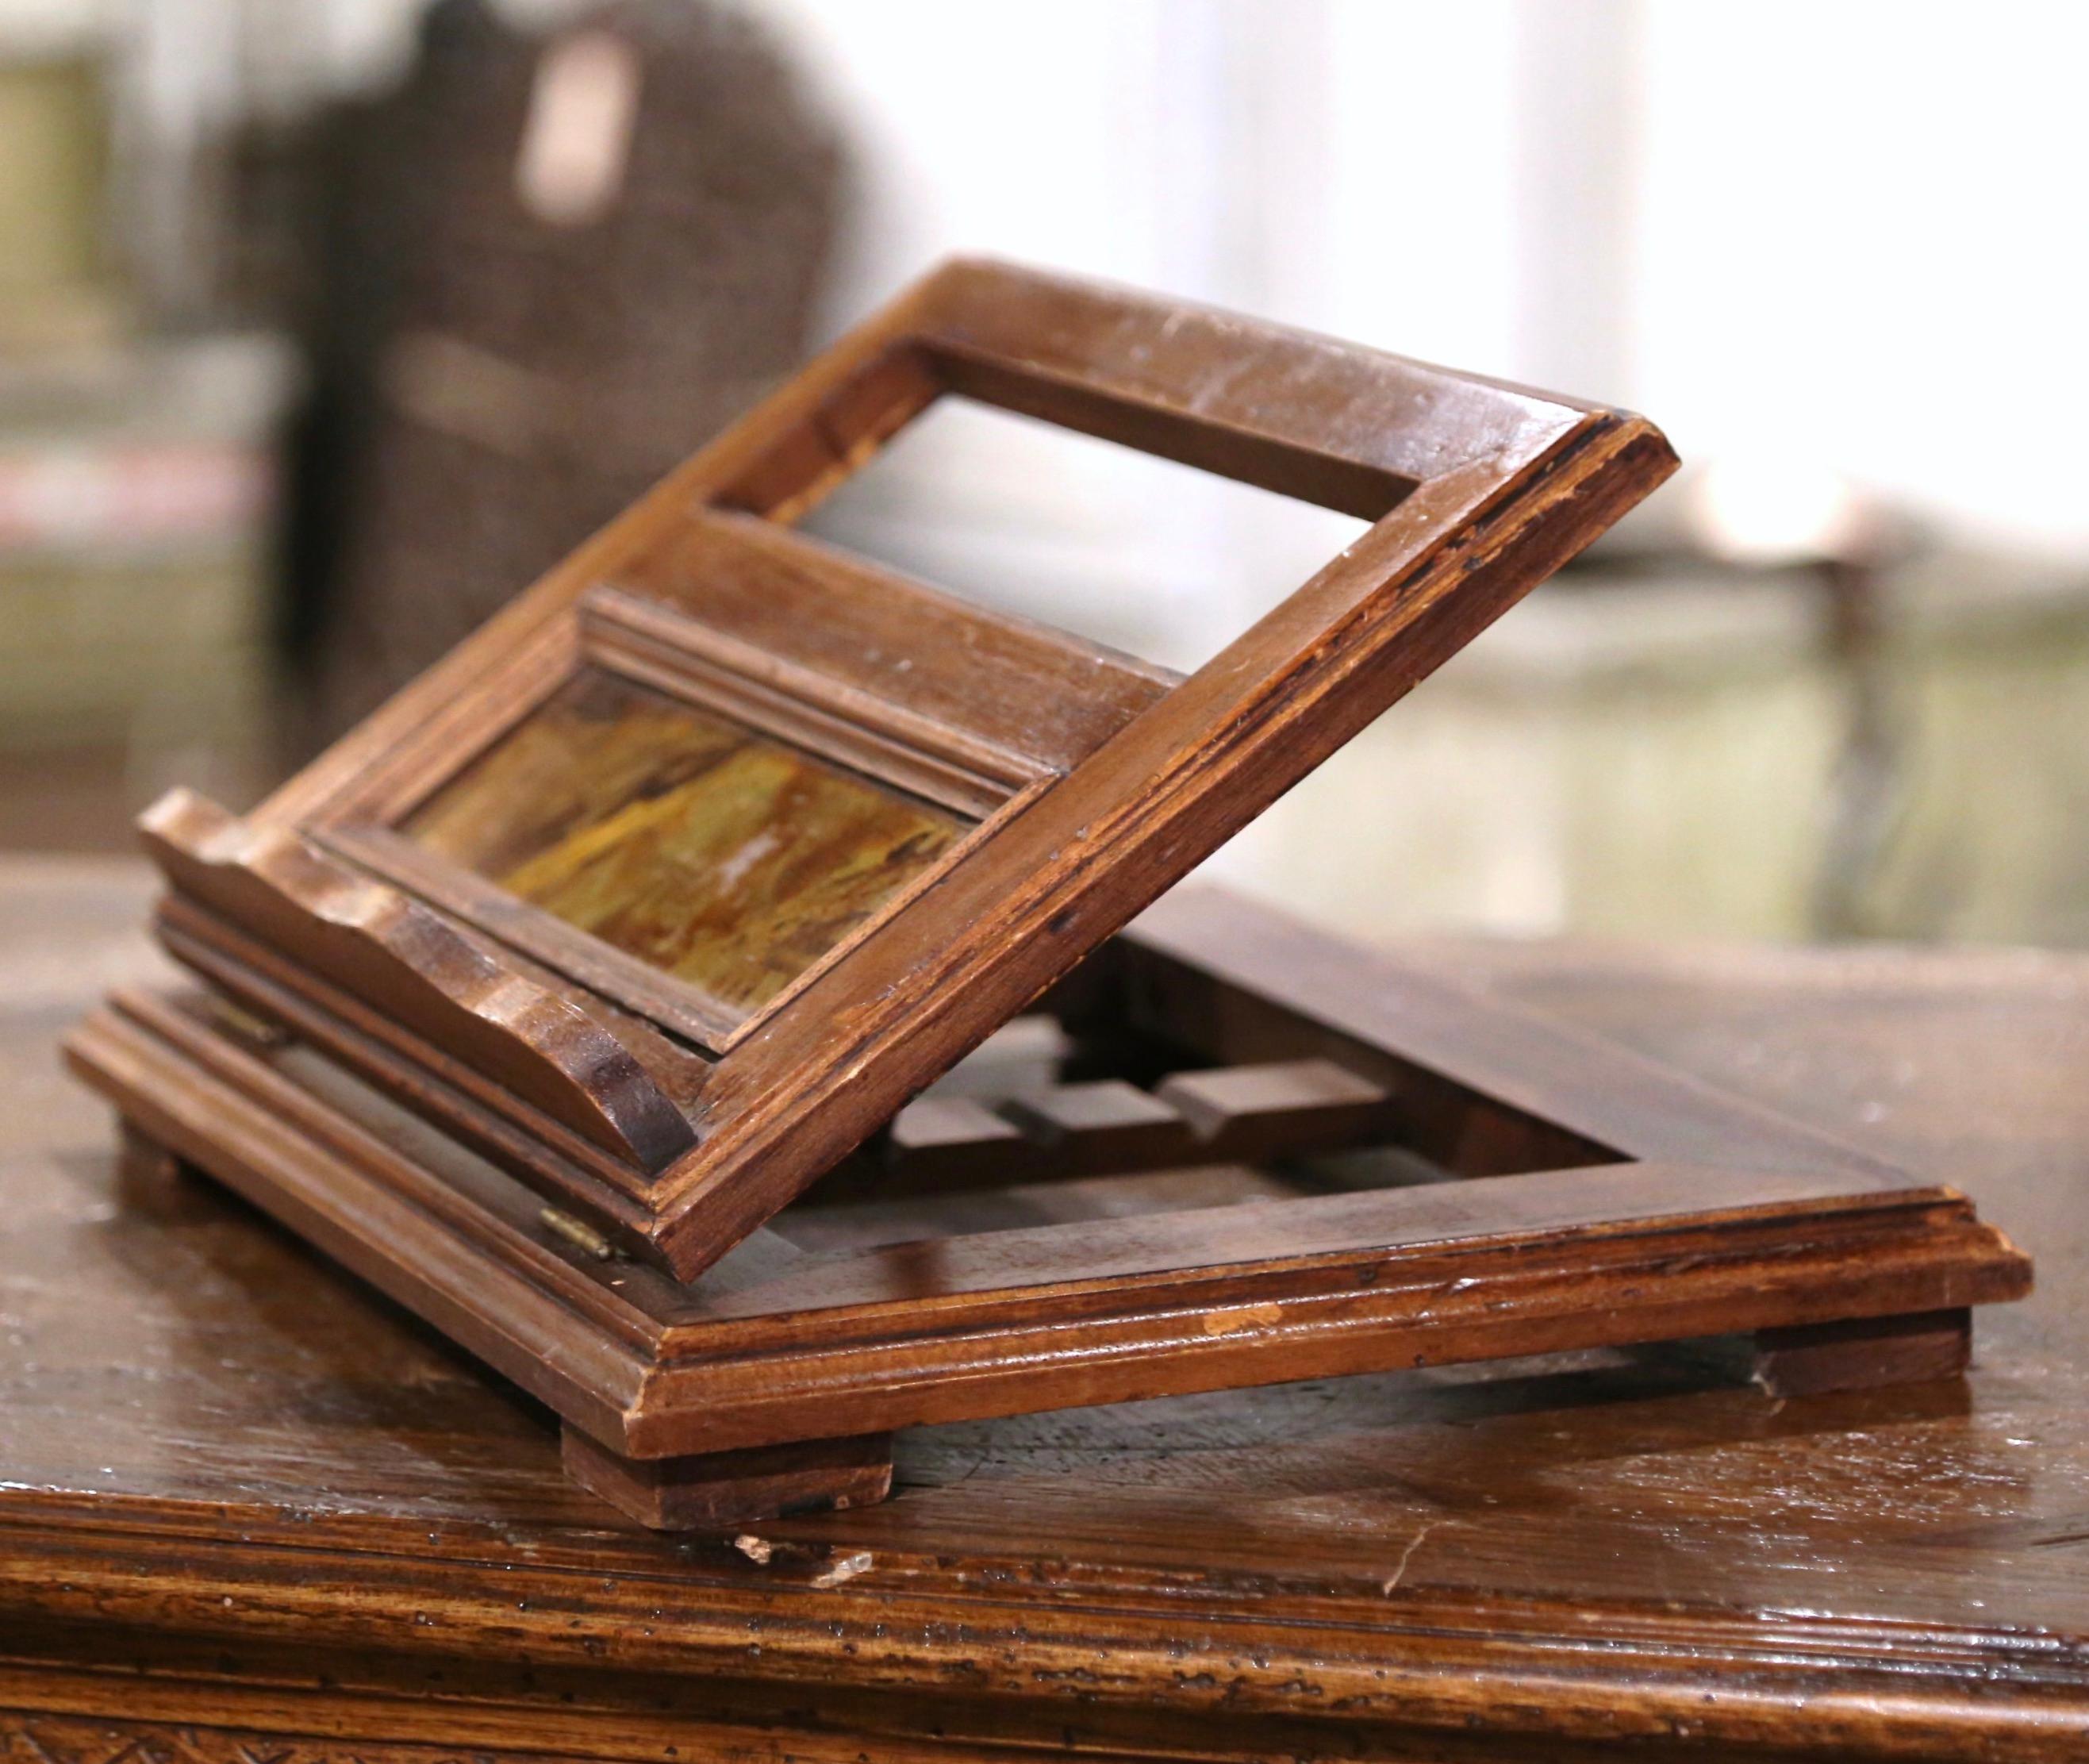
pixel 1229 1151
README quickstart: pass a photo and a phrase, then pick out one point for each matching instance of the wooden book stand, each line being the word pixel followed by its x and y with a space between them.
pixel 647 914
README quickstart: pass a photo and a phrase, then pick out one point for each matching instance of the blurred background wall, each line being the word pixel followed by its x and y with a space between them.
pixel 323 324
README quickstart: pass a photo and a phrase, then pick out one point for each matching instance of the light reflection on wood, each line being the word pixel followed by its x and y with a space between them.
pixel 724 858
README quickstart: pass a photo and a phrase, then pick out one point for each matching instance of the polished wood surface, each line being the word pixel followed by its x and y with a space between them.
pixel 248 1510
pixel 662 897
pixel 1086 783
pixel 1513 1188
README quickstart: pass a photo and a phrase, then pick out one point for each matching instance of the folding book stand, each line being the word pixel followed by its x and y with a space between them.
pixel 646 914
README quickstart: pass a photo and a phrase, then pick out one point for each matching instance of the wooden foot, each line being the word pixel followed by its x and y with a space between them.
pixel 152 1181
pixel 1863 1353
pixel 716 1491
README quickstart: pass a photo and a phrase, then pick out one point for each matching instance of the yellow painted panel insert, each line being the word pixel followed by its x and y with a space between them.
pixel 721 857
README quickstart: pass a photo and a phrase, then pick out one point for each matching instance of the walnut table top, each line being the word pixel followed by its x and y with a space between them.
pixel 250 1512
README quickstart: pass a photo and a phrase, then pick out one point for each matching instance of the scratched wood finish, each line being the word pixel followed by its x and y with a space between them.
pixel 248 1510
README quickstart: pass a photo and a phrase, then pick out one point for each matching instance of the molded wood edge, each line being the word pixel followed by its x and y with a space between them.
pixel 399 956
pixel 589 1371
pixel 1404 1663
pixel 1876 1253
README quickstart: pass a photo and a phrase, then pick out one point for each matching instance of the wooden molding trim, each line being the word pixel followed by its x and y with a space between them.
pixel 427 973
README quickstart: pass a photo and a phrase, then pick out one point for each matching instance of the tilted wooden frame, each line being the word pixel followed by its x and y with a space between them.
pixel 405 1062
pixel 1098 782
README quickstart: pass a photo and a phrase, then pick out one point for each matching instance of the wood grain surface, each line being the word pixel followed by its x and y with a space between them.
pixel 247 1511
pixel 1087 783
